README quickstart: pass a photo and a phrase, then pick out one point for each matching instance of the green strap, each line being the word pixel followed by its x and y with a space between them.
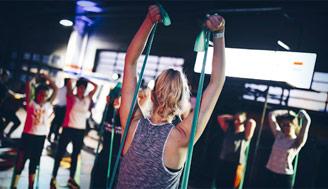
pixel 101 133
pixel 295 169
pixel 111 148
pixel 296 162
pixel 244 171
pixel 134 100
pixel 201 44
pixel 166 20
pixel 165 16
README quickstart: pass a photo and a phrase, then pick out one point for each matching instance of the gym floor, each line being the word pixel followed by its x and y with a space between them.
pixel 83 172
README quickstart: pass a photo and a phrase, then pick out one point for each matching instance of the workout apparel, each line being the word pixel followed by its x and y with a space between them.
pixel 37 118
pixel 234 146
pixel 143 164
pixel 30 148
pixel 77 112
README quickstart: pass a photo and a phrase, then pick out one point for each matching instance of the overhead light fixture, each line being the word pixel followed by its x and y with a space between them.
pixel 66 22
pixel 283 45
pixel 86 3
pixel 93 9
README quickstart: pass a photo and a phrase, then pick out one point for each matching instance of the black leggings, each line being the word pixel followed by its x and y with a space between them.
pixel 9 117
pixel 69 135
pixel 275 180
pixel 31 148
pixel 57 121
pixel 225 175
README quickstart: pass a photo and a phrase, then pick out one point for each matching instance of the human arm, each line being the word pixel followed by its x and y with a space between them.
pixel 223 121
pixel 69 88
pixel 211 94
pixel 303 135
pixel 134 51
pixel 274 126
pixel 53 86
pixel 28 92
pixel 249 129
pixel 94 90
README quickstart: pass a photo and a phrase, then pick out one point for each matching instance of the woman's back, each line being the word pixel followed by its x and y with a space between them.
pixel 143 164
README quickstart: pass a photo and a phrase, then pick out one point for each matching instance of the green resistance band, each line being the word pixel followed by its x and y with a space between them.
pixel 111 148
pixel 101 133
pixel 201 44
pixel 244 171
pixel 296 161
pixel 165 20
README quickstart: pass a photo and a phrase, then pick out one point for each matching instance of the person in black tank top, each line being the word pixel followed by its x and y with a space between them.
pixel 238 131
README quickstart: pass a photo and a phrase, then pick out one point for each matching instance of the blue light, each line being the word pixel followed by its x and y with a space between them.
pixel 93 9
pixel 85 3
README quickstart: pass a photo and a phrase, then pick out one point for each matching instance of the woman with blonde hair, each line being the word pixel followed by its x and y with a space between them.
pixel 155 150
pixel 290 137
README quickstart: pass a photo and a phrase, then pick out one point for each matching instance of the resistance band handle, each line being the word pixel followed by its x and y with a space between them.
pixel 165 16
pixel 199 41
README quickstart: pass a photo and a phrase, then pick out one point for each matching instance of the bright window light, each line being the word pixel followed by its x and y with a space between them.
pixel 283 45
pixel 66 22
pixel 294 68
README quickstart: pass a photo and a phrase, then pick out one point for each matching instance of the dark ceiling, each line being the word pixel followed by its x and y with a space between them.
pixel 303 25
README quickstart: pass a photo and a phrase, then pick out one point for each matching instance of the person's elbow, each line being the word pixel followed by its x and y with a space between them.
pixel 217 83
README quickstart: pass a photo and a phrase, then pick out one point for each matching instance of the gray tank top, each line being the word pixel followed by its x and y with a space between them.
pixel 143 166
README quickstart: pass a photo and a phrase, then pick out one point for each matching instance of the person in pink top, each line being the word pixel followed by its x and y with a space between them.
pixel 290 136
pixel 74 126
pixel 36 127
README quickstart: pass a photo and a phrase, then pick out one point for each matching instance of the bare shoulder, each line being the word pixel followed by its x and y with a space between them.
pixel 178 137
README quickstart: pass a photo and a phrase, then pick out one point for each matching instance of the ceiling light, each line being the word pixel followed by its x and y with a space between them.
pixel 66 22
pixel 93 9
pixel 86 3
pixel 283 45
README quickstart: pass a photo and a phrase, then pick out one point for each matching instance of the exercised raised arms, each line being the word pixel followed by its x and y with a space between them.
pixel 28 90
pixel 249 129
pixel 134 51
pixel 53 86
pixel 94 90
pixel 274 126
pixel 223 121
pixel 214 23
pixel 69 88
pixel 303 135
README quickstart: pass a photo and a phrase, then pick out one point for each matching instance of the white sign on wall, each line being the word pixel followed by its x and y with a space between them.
pixel 295 68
